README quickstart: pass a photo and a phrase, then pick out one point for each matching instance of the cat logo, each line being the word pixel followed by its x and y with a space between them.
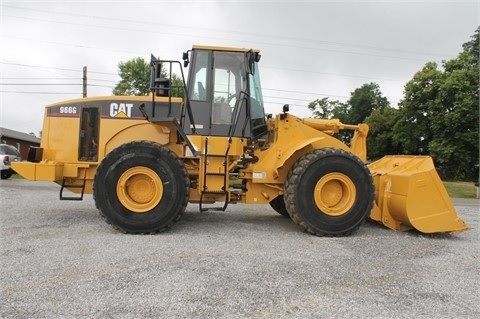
pixel 121 110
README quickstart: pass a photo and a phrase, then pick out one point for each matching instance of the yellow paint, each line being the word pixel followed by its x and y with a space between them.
pixel 139 189
pixel 334 194
pixel 410 194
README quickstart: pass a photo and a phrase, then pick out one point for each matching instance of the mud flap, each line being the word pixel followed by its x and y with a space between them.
pixel 409 194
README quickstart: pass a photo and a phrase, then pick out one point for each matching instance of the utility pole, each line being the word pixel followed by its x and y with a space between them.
pixel 84 81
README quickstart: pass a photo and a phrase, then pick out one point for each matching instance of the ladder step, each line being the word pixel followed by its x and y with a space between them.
pixel 80 186
pixel 216 155
pixel 202 209
pixel 216 165
pixel 214 192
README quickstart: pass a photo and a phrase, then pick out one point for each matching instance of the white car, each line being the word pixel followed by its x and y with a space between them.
pixel 8 154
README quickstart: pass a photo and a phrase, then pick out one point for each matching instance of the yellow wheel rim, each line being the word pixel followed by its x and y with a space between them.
pixel 139 189
pixel 334 194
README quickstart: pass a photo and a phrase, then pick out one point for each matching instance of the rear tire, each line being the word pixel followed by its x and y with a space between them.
pixel 278 204
pixel 329 192
pixel 141 187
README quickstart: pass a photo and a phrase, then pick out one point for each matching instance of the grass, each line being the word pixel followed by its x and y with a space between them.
pixel 461 189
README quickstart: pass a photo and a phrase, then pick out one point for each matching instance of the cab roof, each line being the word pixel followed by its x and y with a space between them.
pixel 215 48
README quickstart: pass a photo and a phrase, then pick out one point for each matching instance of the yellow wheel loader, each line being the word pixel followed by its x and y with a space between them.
pixel 144 158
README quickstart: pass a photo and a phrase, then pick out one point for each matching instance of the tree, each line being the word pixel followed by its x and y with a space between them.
pixel 364 100
pixel 135 79
pixel 413 130
pixel 325 109
pixel 380 137
pixel 439 114
pixel 455 123
pixel 178 89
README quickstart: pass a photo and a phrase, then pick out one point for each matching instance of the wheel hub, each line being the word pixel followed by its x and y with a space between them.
pixel 334 194
pixel 139 189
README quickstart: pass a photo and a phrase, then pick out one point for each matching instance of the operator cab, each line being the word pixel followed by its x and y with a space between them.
pixel 224 93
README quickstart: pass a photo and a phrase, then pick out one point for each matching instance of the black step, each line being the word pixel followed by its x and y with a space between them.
pixel 223 208
pixel 214 192
pixel 214 174
pixel 64 185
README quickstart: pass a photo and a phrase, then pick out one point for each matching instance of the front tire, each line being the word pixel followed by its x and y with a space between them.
pixel 141 187
pixel 329 192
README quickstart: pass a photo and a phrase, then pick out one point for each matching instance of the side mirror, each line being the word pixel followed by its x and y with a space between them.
pixel 286 108
pixel 250 61
pixel 185 59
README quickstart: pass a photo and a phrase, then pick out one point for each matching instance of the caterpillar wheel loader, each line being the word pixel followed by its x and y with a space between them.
pixel 145 157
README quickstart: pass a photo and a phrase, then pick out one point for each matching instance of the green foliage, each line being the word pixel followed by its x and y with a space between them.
pixel 380 137
pixel 413 131
pixel 177 86
pixel 438 116
pixel 135 78
pixel 455 126
pixel 364 100
pixel 321 108
pixel 325 109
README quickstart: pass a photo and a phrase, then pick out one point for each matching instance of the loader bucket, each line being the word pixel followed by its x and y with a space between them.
pixel 409 194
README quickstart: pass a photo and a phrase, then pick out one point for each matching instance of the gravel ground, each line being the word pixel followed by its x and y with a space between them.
pixel 61 260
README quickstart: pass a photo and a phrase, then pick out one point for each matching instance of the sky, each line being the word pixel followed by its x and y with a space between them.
pixel 310 49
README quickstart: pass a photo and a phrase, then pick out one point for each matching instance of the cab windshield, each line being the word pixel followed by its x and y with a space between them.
pixel 257 111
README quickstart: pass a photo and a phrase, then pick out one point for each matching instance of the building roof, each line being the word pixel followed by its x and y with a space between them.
pixel 18 135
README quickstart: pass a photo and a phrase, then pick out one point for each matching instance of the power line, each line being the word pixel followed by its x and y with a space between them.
pixel 102 86
pixel 286 98
pixel 184 35
pixel 111 81
pixel 282 103
pixel 54 68
pixel 300 92
pixel 40 67
pixel 63 43
pixel 280 37
pixel 53 84
pixel 29 78
pixel 297 39
pixel 36 92
pixel 70 78
pixel 228 32
pixel 332 74
pixel 41 84
pixel 101 80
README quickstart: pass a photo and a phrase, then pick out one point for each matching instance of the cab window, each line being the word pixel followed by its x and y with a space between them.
pixel 199 92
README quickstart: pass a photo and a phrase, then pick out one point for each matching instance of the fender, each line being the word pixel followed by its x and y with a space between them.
pixel 297 149
pixel 291 149
pixel 274 163
pixel 159 133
